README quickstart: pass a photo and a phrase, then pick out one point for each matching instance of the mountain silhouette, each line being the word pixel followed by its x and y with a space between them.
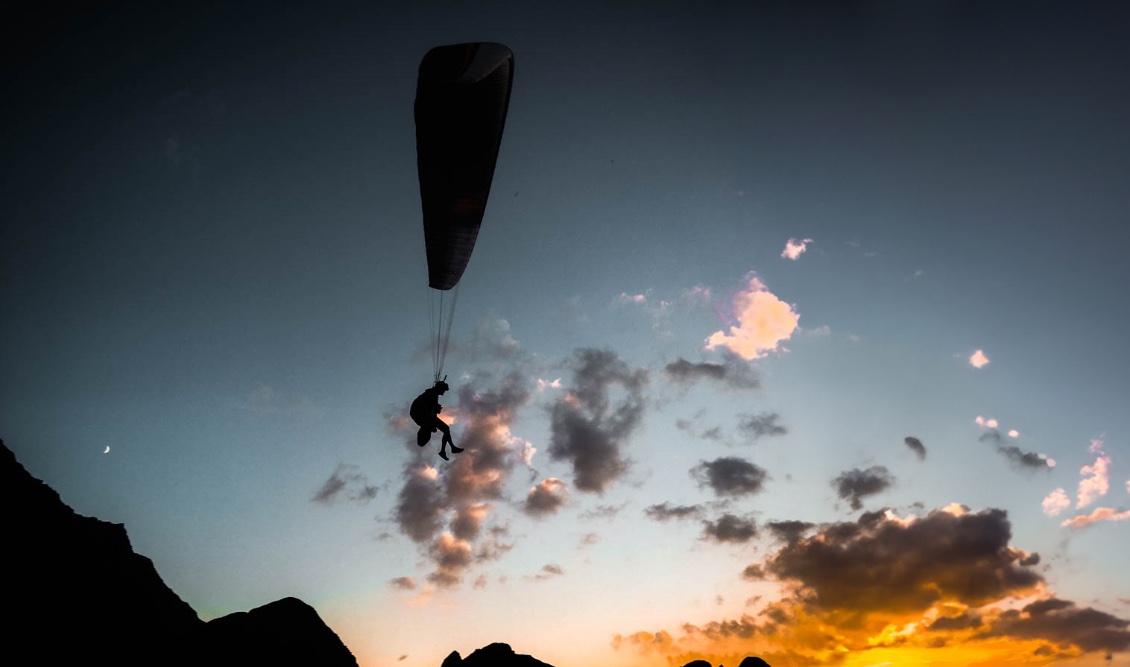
pixel 750 661
pixel 77 593
pixel 494 655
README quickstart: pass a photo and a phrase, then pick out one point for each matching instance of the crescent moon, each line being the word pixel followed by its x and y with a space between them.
pixel 107 450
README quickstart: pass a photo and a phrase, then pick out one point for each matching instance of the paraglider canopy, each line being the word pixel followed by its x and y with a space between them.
pixel 462 94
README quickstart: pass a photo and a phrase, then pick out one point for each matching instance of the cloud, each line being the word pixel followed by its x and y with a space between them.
pixel 1096 477
pixel 547 497
pixel 730 476
pixel 763 322
pixel 549 384
pixel 666 512
pixel 602 512
pixel 1062 622
pixel 548 572
pixel 420 503
pixel 588 429
pixel 794 248
pixel 1099 514
pixel 923 585
pixel 950 554
pixel 758 426
pixel 345 483
pixel 451 556
pixel 789 531
pixel 1018 457
pixel 403 583
pixel 1055 502
pixel 916 445
pixel 987 423
pixel 978 359
pixel 730 528
pixel 462 495
pixel 854 485
pixel 734 373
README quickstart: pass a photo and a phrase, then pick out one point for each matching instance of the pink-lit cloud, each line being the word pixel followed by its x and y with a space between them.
pixel 1096 477
pixel 1099 514
pixel 987 423
pixel 763 322
pixel 978 359
pixel 547 497
pixel 1056 502
pixel 794 248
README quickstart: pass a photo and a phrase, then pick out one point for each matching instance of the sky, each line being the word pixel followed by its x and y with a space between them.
pixel 793 329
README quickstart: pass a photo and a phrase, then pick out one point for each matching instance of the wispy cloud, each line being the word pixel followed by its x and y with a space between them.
pixel 855 485
pixel 1019 458
pixel 1097 515
pixel 734 373
pixel 794 248
pixel 763 322
pixel 588 429
pixel 345 483
pixel 548 571
pixel 667 512
pixel 758 426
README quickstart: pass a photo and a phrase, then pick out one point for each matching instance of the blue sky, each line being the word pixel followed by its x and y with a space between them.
pixel 213 266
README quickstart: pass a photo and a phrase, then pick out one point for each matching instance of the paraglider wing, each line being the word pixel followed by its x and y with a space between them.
pixel 462 95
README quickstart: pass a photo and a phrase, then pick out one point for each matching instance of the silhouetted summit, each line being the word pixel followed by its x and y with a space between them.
pixel 494 655
pixel 78 594
pixel 285 632
pixel 749 661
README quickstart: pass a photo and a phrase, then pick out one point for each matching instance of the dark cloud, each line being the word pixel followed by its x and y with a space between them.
pixel 730 528
pixel 546 498
pixel 883 563
pixel 789 531
pixel 757 426
pixel 451 556
pixel 1062 622
pixel 916 445
pixel 1024 459
pixel 345 483
pixel 735 372
pixel 730 476
pixel 1018 457
pixel 403 583
pixel 420 503
pixel 666 512
pixel 963 621
pixel 851 580
pixel 588 428
pixel 856 484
